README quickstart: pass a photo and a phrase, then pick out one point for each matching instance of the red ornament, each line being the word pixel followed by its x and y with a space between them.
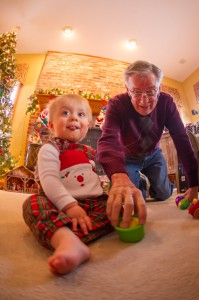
pixel 1 151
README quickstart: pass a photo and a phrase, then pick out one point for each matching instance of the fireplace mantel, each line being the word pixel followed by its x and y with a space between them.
pixel 95 104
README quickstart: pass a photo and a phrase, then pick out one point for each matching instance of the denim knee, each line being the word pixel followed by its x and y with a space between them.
pixel 162 195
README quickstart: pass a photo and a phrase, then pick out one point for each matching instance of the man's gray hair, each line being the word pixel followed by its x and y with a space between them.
pixel 143 68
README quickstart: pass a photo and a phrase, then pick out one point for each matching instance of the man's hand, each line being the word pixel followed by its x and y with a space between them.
pixel 191 193
pixel 79 217
pixel 124 193
pixel 119 196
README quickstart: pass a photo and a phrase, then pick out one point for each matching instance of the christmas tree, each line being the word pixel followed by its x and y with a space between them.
pixel 7 73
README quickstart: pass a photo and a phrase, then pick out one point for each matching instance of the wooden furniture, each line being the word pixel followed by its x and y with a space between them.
pixel 170 154
pixel 194 140
pixel 175 168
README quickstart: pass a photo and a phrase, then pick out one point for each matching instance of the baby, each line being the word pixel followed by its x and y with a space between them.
pixel 71 210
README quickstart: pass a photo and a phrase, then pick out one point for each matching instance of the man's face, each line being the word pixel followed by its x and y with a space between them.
pixel 143 92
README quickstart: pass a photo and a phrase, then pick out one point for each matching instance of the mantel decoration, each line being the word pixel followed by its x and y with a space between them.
pixel 39 99
pixel 33 103
pixel 7 80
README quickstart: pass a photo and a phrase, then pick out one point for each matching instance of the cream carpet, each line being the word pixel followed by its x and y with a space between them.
pixel 164 265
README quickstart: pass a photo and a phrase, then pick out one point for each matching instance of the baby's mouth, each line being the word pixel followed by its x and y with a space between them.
pixel 72 128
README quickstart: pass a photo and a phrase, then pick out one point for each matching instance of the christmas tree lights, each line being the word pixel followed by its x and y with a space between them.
pixel 7 72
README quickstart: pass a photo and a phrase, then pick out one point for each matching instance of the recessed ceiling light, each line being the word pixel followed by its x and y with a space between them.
pixel 182 61
pixel 68 30
pixel 132 44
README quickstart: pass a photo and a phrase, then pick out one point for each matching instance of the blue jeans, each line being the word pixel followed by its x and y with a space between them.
pixel 155 169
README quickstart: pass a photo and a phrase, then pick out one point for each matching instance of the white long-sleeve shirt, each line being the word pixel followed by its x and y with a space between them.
pixel 66 176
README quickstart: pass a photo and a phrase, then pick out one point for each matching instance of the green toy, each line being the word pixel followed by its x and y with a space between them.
pixel 182 202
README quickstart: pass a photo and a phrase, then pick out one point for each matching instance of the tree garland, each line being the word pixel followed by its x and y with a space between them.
pixel 7 72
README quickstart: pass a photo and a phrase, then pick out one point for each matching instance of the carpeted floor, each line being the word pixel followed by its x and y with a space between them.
pixel 163 266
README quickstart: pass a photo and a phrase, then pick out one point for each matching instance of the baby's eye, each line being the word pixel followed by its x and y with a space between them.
pixel 82 114
pixel 66 113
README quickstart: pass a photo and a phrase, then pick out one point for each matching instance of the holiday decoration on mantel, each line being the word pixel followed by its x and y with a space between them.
pixel 40 125
pixel 7 73
pixel 33 103
pixel 39 101
pixel 101 117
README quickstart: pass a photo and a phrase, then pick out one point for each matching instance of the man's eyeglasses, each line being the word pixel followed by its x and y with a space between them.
pixel 138 94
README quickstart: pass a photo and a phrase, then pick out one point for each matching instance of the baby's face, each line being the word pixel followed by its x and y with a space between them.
pixel 70 121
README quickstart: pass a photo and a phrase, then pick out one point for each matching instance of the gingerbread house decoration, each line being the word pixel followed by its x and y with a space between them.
pixel 21 180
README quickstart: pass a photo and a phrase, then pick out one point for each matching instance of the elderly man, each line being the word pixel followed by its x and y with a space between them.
pixel 130 139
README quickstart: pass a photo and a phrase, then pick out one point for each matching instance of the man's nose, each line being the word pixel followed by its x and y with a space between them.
pixel 144 98
pixel 144 95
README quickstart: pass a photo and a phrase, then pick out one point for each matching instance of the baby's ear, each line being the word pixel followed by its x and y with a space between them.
pixel 50 126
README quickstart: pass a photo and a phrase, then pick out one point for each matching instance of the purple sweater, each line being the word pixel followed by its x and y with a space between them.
pixel 127 134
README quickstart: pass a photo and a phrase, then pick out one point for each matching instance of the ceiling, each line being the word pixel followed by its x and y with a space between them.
pixel 167 32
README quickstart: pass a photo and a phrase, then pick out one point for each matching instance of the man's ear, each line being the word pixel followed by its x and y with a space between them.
pixel 127 90
pixel 159 90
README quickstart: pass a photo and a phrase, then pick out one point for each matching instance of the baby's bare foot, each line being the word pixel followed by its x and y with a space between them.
pixel 65 260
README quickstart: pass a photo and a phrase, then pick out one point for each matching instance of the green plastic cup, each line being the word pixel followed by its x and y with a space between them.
pixel 132 234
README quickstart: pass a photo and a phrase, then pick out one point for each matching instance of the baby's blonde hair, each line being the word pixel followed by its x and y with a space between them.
pixel 70 98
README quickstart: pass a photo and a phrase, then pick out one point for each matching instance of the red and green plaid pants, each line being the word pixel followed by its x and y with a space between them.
pixel 43 219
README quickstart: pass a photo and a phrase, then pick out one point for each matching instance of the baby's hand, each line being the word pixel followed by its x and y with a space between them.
pixel 92 164
pixel 79 217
